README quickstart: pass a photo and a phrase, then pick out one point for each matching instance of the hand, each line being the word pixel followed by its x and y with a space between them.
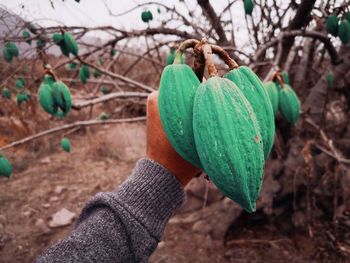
pixel 159 148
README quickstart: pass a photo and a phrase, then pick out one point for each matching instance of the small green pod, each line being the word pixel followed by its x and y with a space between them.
pixel 5 167
pixel 66 145
pixel 289 104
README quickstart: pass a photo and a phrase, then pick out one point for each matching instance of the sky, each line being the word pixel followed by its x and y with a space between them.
pixel 88 12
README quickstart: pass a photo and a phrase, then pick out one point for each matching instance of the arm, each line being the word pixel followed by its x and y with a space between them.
pixel 127 224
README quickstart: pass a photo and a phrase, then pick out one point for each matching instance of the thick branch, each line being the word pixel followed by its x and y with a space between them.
pixel 313 34
pixel 301 19
pixel 209 12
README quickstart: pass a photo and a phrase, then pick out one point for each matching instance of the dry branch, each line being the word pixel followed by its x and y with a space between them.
pixel 77 105
pixel 70 126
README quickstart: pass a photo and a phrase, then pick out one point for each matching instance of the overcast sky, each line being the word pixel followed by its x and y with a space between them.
pixel 88 12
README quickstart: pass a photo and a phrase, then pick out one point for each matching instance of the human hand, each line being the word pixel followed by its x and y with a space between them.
pixel 159 148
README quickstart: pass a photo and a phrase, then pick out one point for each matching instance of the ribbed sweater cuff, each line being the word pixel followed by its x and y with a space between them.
pixel 151 194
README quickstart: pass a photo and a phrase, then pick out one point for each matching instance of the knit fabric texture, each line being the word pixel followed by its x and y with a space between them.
pixel 124 225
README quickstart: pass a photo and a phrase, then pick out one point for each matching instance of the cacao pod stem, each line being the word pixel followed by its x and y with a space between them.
pixel 189 43
pixel 208 55
pixel 231 63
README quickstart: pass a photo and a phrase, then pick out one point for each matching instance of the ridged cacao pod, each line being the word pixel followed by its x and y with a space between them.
pixel 65 144
pixel 26 34
pixel 330 79
pixel 178 85
pixel 46 99
pixel 285 77
pixel 228 140
pixel 105 90
pixel 289 104
pixel 12 48
pixel 7 55
pixel 5 167
pixel 22 97
pixel 20 83
pixel 62 97
pixel 57 38
pixel 332 25
pixel 6 93
pixel 71 43
pixel 248 6
pixel 344 31
pixel 272 90
pixel 252 88
pixel 84 73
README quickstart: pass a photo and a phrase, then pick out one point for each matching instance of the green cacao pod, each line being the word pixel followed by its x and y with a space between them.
pixel 150 16
pixel 5 167
pixel 26 34
pixel 248 7
pixel 97 73
pixel 64 49
pixel 289 104
pixel 7 55
pixel 6 93
pixel 170 57
pixel 57 38
pixel 272 90
pixel 228 140
pixel 285 77
pixel 344 31
pixel 40 43
pixel 105 90
pixel 46 99
pixel 103 116
pixel 48 79
pixel 144 16
pixel 332 25
pixel 71 43
pixel 330 79
pixel 253 89
pixel 65 144
pixel 20 83
pixel 62 97
pixel 84 73
pixel 71 66
pixel 347 16
pixel 178 85
pixel 113 53
pixel 22 97
pixel 12 48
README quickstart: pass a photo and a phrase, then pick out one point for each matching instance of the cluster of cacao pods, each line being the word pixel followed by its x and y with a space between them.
pixel 224 125
pixel 66 42
pixel 283 98
pixel 5 166
pixel 54 97
pixel 21 96
pixel 339 27
pixel 146 16
pixel 10 51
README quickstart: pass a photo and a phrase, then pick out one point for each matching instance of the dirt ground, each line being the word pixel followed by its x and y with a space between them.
pixel 47 180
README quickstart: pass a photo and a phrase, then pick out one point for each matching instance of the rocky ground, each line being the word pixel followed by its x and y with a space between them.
pixel 48 189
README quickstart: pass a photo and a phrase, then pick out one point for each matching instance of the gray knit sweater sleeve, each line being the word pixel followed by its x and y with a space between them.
pixel 125 225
